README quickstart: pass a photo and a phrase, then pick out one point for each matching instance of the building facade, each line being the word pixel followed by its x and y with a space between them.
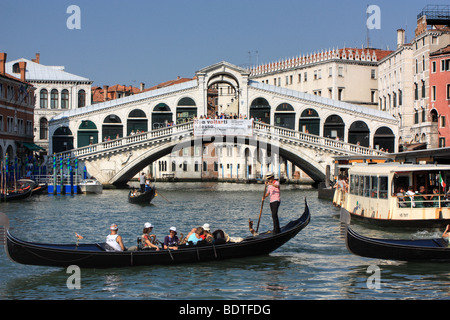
pixel 347 74
pixel 56 91
pixel 440 94
pixel 404 81
pixel 16 114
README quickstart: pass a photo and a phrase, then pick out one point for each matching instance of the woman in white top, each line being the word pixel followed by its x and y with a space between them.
pixel 114 240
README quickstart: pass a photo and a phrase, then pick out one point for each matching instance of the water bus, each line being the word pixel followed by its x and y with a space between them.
pixel 396 194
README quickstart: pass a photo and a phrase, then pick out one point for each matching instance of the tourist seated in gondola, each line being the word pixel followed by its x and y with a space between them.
pixel 171 241
pixel 148 187
pixel 147 239
pixel 195 237
pixel 113 240
pixel 206 235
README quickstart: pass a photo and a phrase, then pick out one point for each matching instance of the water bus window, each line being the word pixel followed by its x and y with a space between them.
pixel 366 186
pixel 374 187
pixel 383 187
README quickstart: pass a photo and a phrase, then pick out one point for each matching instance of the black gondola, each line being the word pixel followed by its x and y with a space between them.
pixel 420 250
pixel 95 255
pixel 16 195
pixel 140 197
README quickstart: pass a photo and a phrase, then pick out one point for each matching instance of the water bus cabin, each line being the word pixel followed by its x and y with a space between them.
pixel 395 194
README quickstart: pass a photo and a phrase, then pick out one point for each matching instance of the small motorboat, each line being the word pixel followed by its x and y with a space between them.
pixel 90 186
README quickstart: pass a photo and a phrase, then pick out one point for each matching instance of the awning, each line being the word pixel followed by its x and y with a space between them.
pixel 32 146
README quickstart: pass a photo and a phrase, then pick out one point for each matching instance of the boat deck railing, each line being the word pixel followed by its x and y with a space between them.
pixel 425 201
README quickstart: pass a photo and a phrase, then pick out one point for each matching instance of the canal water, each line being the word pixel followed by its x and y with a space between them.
pixel 313 265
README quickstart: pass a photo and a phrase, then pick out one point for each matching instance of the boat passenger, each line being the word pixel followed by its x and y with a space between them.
pixel 147 238
pixel 410 193
pixel 401 198
pixel 250 227
pixel 171 241
pixel 420 197
pixel 114 240
pixel 435 198
pixel 196 236
pixel 207 235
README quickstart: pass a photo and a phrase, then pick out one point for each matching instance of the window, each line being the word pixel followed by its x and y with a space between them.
pixel 54 99
pixel 44 99
pixel 442 121
pixel 383 187
pixel 448 91
pixel 373 74
pixel 1 122
pixel 441 142
pixel 416 91
pixel 445 65
pixel 65 99
pixel 400 97
pixel 433 67
pixel 373 187
pixel 81 98
pixel 423 89
pixel 433 93
pixel 416 116
pixel 196 166
pixel 340 71
pixel 306 76
pixel 424 115
pixel 43 129
pixel 330 71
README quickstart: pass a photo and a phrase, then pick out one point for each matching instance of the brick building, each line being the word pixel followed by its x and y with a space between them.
pixel 16 114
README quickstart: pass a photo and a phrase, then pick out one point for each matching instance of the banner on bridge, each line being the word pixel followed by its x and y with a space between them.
pixel 223 127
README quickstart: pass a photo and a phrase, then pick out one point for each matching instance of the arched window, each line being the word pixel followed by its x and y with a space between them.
pixel 43 97
pixel 43 129
pixel 65 99
pixel 54 97
pixel 81 98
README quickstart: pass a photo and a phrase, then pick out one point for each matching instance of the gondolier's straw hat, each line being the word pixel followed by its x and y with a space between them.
pixel 114 227
pixel 269 175
pixel 148 225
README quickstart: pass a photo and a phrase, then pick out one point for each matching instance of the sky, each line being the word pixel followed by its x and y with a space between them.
pixel 149 41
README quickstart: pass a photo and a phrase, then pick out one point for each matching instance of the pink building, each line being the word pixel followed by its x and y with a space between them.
pixel 440 93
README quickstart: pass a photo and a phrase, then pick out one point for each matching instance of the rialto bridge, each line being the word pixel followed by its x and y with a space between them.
pixel 306 129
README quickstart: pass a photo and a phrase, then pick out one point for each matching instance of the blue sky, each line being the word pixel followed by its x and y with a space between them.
pixel 133 41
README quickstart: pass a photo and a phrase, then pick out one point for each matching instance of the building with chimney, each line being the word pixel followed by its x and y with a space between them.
pixel 56 91
pixel 404 79
pixel 347 74
pixel 16 114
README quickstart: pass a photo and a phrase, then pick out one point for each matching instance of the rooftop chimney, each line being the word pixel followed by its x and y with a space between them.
pixel 142 86
pixel 23 69
pixel 38 56
pixel 400 37
pixel 105 93
pixel 2 62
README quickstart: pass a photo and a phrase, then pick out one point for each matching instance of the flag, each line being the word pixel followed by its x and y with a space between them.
pixel 441 181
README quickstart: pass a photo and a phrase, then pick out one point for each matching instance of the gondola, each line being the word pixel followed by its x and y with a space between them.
pixel 16 195
pixel 96 255
pixel 145 197
pixel 419 250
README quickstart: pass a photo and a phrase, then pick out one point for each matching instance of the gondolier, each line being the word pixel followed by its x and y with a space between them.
pixel 273 189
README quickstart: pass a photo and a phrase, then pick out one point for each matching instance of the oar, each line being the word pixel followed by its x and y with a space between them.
pixel 159 194
pixel 260 211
